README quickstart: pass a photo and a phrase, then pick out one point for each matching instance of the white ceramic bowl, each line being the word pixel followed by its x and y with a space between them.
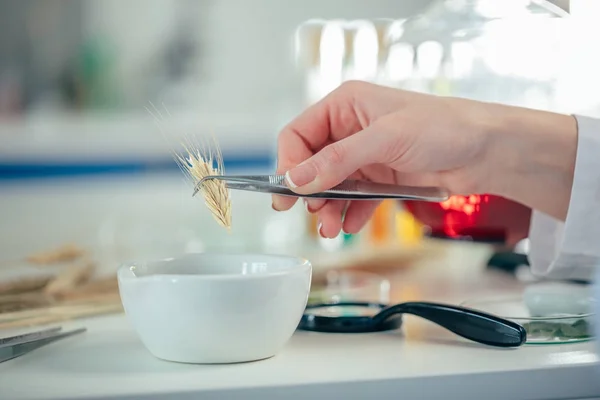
pixel 215 308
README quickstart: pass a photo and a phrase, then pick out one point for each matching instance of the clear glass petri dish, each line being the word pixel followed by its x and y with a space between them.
pixel 350 286
pixel 541 330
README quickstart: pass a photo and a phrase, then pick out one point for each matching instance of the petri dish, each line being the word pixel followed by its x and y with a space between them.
pixel 341 286
pixel 560 328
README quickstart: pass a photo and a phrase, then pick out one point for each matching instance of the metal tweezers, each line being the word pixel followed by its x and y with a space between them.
pixel 347 190
pixel 16 346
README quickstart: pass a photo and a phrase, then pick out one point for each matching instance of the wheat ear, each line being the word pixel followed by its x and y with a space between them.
pixel 201 159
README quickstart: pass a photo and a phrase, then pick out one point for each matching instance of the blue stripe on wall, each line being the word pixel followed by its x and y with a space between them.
pixel 48 170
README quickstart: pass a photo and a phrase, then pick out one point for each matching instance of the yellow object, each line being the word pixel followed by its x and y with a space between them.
pixel 313 229
pixel 382 224
pixel 408 230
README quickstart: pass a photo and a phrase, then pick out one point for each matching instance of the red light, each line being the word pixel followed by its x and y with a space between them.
pixel 480 218
pixel 460 212
pixel 467 205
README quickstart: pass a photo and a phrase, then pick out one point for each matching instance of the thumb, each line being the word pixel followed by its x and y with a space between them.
pixel 335 162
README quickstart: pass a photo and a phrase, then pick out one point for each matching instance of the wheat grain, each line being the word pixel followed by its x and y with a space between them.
pixel 202 159
pixel 215 192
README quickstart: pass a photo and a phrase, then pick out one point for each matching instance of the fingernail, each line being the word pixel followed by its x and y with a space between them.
pixel 306 205
pixel 319 227
pixel 302 175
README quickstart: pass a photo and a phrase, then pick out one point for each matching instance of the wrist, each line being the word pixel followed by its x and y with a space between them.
pixel 532 157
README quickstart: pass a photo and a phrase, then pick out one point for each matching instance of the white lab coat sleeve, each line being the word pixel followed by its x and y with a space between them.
pixel 571 250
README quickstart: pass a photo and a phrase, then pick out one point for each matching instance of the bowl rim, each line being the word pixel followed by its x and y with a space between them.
pixel 470 303
pixel 303 265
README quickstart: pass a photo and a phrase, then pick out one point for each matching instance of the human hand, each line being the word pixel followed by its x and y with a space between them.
pixel 366 131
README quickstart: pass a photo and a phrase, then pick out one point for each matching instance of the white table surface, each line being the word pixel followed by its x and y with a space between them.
pixel 110 362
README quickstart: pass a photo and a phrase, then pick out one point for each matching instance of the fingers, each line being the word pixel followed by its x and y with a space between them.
pixel 314 205
pixel 282 203
pixel 292 150
pixel 358 214
pixel 330 218
pixel 336 162
pixel 327 121
pixel 330 166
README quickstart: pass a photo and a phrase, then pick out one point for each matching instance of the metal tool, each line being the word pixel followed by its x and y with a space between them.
pixel 359 317
pixel 347 190
pixel 16 346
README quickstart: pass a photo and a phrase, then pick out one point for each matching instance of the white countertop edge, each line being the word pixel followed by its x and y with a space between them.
pixel 565 383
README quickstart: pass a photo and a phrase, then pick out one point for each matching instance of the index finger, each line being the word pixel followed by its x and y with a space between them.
pixel 327 121
pixel 293 148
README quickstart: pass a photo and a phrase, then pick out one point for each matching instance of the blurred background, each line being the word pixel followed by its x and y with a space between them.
pixel 82 160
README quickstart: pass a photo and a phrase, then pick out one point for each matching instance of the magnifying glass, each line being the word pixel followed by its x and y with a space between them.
pixel 364 317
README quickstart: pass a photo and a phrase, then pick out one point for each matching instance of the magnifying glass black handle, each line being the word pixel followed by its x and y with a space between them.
pixel 471 324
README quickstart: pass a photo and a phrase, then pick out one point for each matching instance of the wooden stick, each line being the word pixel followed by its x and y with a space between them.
pixel 55 318
pixel 92 289
pixel 60 309
pixel 33 297
pixel 25 284
pixel 70 278
pixel 94 299
pixel 24 301
pixel 65 253
pixel 31 322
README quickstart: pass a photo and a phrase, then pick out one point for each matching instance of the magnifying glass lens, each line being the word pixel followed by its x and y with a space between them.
pixel 347 318
pixel 342 310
